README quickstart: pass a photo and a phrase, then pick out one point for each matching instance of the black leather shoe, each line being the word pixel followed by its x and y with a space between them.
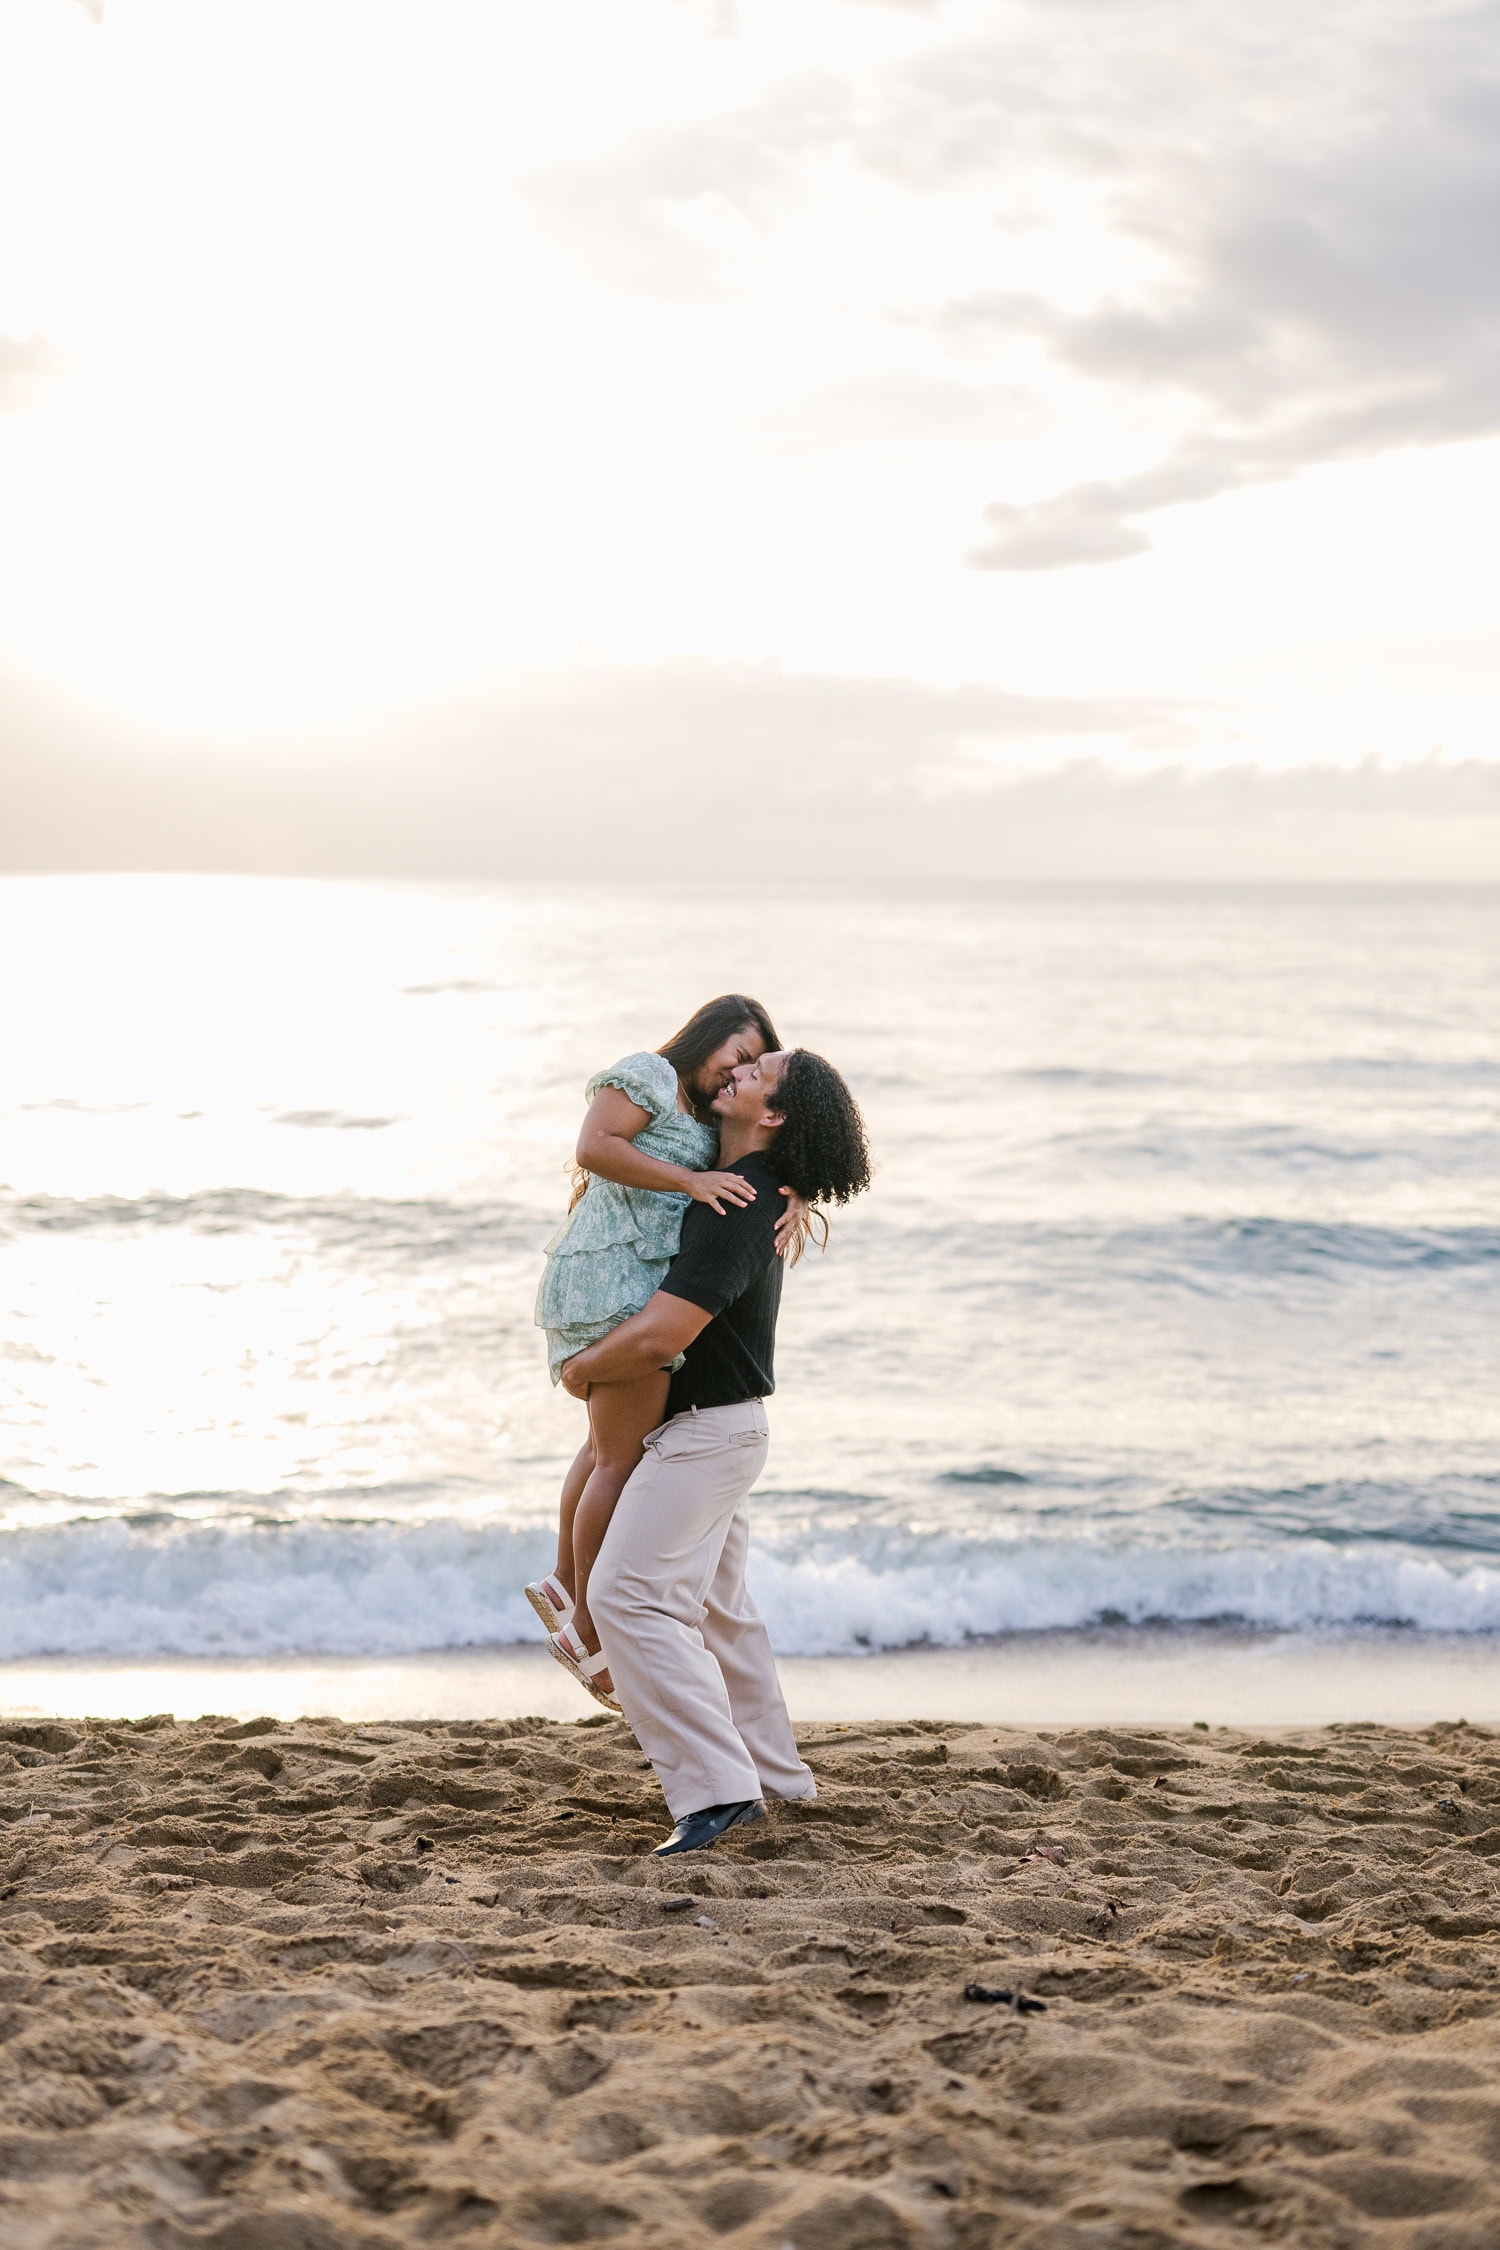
pixel 697 1830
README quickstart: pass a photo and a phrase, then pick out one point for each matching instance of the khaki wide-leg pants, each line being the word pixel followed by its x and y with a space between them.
pixel 690 1659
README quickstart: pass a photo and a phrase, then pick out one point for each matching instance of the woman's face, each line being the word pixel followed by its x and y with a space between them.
pixel 742 1046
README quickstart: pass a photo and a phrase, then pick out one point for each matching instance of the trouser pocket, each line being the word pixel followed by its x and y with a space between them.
pixel 688 1436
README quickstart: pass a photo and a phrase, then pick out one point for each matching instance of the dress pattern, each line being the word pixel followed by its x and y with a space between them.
pixel 612 1251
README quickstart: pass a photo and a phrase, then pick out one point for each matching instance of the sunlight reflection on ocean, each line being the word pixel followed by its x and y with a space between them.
pixel 1176 1297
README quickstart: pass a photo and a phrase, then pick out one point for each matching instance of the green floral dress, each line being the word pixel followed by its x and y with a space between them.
pixel 613 1249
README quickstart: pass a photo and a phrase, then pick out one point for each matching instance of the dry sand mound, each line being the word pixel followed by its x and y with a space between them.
pixel 330 1987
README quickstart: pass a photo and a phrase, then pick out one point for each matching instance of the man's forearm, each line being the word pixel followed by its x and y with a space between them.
pixel 639 1346
pixel 619 1358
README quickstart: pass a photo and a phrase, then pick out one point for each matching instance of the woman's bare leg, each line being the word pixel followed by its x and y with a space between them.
pixel 620 1415
pixel 572 1492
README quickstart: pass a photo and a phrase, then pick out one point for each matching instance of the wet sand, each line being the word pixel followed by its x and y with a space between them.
pixel 331 1987
pixel 1142 1675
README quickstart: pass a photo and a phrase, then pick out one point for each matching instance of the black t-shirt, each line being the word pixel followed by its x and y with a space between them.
pixel 727 1265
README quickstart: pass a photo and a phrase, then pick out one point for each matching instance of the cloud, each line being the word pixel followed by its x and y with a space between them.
pixel 1296 207
pixel 1086 524
pixel 660 214
pixel 654 773
pixel 1321 289
pixel 720 18
pixel 26 363
pixel 1098 521
pixel 551 772
pixel 891 406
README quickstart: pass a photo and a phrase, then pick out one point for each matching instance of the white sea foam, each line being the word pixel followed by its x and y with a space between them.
pixel 841 1605
pixel 109 1588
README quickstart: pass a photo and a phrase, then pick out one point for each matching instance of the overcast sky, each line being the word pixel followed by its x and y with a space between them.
pixel 1051 437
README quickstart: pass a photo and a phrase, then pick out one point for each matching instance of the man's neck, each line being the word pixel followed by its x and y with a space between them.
pixel 737 1140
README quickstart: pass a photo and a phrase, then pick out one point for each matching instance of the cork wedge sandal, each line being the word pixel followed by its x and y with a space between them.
pixel 571 1654
pixel 550 1598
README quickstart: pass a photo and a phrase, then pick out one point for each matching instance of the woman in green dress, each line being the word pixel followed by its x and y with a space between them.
pixel 647 1148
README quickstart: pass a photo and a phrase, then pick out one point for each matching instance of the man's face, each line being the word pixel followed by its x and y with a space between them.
pixel 750 1090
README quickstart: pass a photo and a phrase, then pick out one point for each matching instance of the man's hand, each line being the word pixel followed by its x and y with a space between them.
pixel 572 1377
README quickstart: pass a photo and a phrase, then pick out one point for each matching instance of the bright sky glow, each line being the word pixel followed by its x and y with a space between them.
pixel 394 353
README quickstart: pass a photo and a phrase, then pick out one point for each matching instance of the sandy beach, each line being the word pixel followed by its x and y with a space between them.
pixel 319 1986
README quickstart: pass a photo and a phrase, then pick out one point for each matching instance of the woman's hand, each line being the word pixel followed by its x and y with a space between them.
pixel 719 1188
pixel 792 1222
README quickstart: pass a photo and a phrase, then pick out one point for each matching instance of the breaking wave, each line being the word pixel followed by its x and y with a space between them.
pixel 158 1585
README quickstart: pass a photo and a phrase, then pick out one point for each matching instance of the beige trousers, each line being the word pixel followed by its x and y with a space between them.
pixel 689 1656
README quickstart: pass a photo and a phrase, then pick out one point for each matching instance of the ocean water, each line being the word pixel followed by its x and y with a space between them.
pixel 1177 1298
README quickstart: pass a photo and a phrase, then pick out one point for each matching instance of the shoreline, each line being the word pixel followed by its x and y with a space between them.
pixel 1168 1676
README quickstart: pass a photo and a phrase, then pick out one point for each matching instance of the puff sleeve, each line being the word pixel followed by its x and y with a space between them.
pixel 648 1080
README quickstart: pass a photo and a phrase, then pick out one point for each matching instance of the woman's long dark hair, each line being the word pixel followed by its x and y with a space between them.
pixel 709 1026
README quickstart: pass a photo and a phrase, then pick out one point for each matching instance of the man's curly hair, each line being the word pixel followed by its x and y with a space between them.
pixel 821 1149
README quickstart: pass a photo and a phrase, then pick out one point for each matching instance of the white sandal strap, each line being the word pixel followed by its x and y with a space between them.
pixel 589 1666
pixel 551 1600
pixel 587 1678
